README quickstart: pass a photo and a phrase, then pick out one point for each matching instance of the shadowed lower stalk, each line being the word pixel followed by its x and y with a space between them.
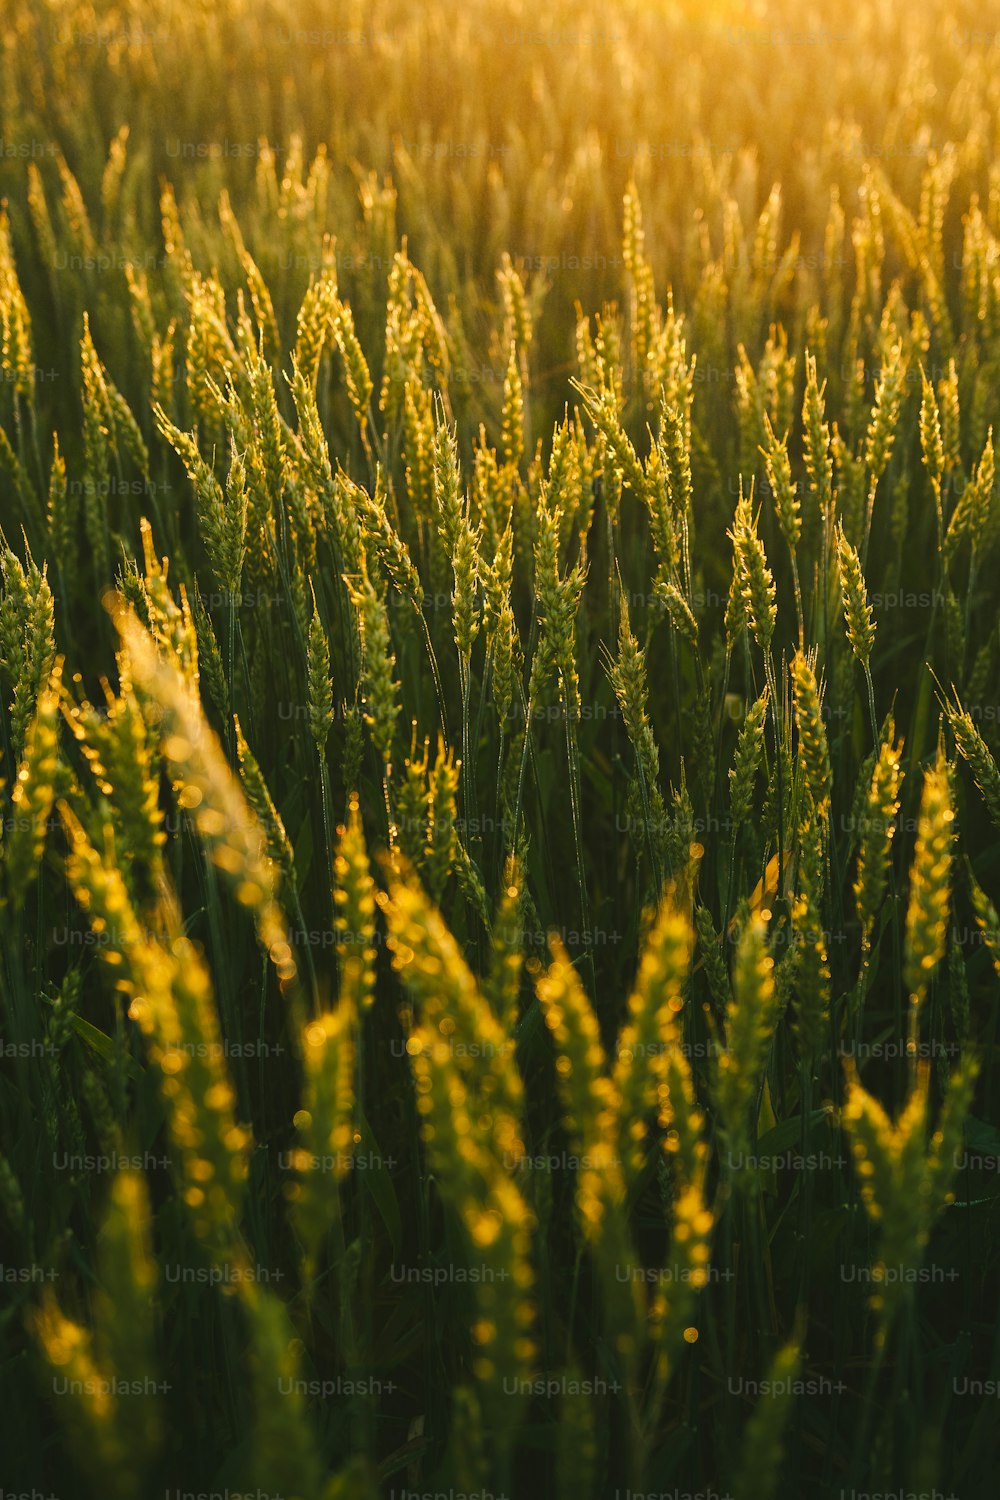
pixel 527 704
pixel 575 803
pixel 232 674
pixel 468 790
pixel 800 617
pixel 435 673
pixel 778 771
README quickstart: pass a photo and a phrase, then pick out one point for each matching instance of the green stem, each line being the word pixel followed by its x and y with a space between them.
pixel 575 803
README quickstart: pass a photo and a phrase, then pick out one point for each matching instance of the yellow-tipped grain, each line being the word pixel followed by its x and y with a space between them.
pixel 877 830
pixel 905 1180
pixel 814 752
pixel 857 611
pixel 930 875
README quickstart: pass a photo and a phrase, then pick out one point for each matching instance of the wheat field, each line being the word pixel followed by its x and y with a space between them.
pixel 499 734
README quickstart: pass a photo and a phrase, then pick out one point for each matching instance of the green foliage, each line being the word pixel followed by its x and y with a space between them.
pixel 475 977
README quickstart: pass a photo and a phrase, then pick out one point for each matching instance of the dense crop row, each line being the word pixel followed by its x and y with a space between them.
pixel 499 649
